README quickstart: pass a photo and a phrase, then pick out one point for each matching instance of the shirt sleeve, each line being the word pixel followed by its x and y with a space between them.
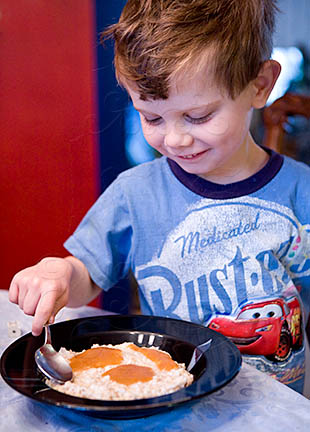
pixel 102 241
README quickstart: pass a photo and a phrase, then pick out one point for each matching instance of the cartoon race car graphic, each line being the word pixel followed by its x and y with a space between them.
pixel 271 328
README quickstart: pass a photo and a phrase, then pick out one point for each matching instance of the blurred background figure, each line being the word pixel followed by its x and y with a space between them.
pixel 284 123
pixel 276 118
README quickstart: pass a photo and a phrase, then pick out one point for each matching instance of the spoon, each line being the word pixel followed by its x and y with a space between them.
pixel 50 362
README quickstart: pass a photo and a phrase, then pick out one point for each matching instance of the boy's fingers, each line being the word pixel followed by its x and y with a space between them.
pixel 37 325
pixel 31 301
pixel 13 293
pixel 45 308
pixel 51 319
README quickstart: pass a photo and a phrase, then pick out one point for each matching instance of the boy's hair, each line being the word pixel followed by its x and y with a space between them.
pixel 160 40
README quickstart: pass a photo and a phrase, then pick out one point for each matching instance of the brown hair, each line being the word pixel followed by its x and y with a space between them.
pixel 157 40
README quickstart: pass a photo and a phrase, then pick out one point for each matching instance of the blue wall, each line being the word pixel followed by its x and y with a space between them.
pixel 112 101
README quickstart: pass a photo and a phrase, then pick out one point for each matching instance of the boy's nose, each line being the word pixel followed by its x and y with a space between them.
pixel 175 139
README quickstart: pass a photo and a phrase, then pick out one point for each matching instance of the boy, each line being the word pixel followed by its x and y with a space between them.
pixel 217 230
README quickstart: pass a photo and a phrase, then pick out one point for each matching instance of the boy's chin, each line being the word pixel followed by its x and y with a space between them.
pixel 191 169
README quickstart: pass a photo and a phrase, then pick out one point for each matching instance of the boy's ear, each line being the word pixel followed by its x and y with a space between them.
pixel 264 82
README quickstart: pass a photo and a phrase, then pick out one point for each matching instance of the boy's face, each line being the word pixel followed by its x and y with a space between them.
pixel 201 128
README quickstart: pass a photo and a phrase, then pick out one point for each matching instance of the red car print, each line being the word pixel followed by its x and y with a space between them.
pixel 271 328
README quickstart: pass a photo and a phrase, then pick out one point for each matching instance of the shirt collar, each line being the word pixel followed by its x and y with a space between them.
pixel 209 189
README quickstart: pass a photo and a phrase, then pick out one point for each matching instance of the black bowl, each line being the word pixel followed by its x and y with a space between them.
pixel 215 367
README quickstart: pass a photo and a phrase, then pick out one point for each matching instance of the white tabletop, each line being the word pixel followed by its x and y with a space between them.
pixel 250 402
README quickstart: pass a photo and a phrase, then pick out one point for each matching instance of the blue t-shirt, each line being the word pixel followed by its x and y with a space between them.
pixel 232 257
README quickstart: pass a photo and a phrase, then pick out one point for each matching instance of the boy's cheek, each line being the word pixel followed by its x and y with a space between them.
pixel 153 137
pixel 218 127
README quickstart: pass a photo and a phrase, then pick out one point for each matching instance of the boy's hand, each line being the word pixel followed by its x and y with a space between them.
pixel 42 290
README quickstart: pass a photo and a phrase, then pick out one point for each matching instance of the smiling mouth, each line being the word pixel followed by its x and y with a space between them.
pixel 192 156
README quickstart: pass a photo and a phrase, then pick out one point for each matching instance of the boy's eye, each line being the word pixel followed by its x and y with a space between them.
pixel 197 120
pixel 152 121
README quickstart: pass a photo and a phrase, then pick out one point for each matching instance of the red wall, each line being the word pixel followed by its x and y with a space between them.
pixel 49 163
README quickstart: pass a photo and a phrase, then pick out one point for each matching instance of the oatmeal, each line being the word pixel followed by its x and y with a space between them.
pixel 122 372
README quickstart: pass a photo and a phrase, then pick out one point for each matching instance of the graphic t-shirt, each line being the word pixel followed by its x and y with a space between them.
pixel 231 257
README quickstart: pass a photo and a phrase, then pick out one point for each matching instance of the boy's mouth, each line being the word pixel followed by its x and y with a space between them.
pixel 192 156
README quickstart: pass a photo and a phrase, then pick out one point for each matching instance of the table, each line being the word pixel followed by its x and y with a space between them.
pixel 250 402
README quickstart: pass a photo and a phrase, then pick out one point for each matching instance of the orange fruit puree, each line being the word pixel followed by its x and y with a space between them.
pixel 96 357
pixel 162 359
pixel 130 374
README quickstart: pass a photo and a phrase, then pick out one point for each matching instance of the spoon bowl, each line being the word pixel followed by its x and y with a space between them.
pixel 50 362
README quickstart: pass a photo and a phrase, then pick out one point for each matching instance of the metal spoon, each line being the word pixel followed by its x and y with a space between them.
pixel 50 362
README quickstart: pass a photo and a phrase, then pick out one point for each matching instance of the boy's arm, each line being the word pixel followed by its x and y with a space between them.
pixel 43 289
pixel 82 288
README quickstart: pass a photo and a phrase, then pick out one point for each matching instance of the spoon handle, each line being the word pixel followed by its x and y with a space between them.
pixel 48 336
